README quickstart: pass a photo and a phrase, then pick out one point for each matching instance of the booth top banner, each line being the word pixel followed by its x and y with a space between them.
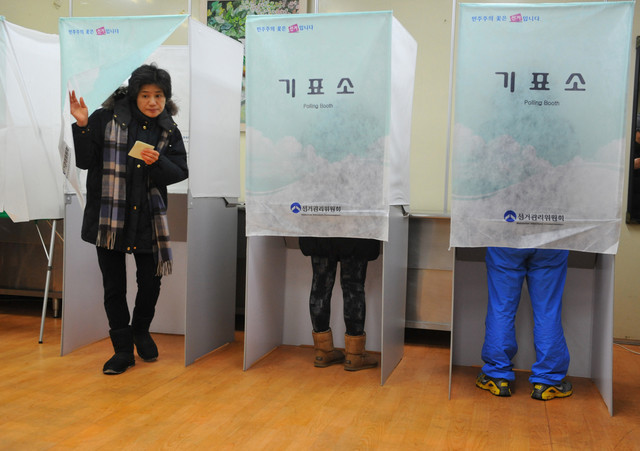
pixel 99 53
pixel 318 121
pixel 539 134
pixel 97 56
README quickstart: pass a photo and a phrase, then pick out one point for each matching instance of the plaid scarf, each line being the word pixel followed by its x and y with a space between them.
pixel 113 202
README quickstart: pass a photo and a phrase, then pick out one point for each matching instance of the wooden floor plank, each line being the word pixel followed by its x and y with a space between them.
pixel 284 402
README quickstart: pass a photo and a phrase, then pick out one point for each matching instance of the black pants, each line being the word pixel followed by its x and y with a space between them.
pixel 114 279
pixel 353 271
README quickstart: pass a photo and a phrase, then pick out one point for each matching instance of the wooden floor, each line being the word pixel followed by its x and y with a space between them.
pixel 283 402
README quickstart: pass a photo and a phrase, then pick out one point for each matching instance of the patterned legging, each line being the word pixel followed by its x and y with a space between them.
pixel 353 271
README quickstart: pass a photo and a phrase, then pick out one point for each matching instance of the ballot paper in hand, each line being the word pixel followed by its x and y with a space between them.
pixel 138 147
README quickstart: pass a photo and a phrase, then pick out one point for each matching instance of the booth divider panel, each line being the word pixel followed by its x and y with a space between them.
pixel 394 289
pixel 264 311
pixel 211 278
pixel 602 345
pixel 84 320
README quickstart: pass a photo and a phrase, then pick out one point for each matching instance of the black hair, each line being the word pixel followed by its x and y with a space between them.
pixel 147 74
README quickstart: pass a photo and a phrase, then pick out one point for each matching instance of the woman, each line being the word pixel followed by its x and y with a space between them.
pixel 126 202
pixel 353 255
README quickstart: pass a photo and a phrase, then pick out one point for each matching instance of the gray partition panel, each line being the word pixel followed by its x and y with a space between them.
pixel 297 321
pixel 170 315
pixel 83 315
pixel 264 310
pixel 394 286
pixel 429 274
pixel 469 311
pixel 602 360
pixel 587 315
pixel 211 276
pixel 429 237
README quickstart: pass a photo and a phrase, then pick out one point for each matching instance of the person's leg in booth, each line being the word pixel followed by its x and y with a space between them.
pixel 324 276
pixel 506 270
pixel 546 280
pixel 545 270
pixel 353 255
pixel 353 271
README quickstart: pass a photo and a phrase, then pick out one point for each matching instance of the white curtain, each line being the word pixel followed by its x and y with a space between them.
pixel 539 136
pixel 31 180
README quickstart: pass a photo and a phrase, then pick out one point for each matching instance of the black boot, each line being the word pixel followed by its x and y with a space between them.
pixel 123 359
pixel 146 347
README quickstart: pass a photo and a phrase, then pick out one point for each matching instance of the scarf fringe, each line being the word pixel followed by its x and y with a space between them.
pixel 164 268
pixel 106 239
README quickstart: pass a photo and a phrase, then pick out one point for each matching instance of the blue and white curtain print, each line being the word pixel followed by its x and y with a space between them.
pixel 318 120
pixel 97 55
pixel 539 128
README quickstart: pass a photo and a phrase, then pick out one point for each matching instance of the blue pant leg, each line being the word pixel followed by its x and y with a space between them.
pixel 505 275
pixel 546 279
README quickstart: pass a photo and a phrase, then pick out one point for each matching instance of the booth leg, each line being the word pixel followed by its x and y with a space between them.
pixel 56 303
pixel 48 279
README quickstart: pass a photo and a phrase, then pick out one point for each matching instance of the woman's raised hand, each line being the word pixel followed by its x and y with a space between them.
pixel 79 110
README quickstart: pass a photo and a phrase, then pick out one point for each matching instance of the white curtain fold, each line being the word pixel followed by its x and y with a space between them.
pixel 31 180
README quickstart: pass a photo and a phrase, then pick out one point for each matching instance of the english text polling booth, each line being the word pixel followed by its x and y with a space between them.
pixel 538 163
pixel 328 124
pixel 198 299
pixel 31 179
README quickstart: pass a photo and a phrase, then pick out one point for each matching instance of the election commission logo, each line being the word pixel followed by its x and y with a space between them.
pixel 510 216
pixel 296 207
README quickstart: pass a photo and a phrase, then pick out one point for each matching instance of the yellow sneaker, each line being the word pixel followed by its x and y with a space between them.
pixel 498 387
pixel 545 392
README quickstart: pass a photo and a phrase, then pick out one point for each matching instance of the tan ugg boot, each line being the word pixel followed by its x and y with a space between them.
pixel 326 354
pixel 356 358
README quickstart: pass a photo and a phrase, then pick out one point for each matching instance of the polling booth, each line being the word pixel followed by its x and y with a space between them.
pixel 31 180
pixel 538 161
pixel 198 298
pixel 329 100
